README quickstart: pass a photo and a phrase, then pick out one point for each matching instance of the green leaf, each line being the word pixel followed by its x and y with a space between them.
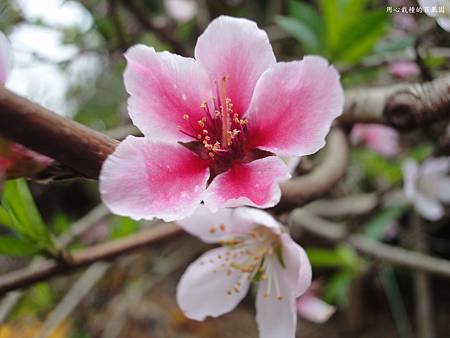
pixel 11 246
pixel 378 224
pixel 359 39
pixel 19 213
pixel 123 226
pixel 336 290
pixel 300 31
pixel 306 14
pixel 339 258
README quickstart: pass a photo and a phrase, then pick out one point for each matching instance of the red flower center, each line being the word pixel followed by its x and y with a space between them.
pixel 220 135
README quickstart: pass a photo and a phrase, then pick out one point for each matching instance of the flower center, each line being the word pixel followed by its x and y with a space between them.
pixel 249 256
pixel 220 134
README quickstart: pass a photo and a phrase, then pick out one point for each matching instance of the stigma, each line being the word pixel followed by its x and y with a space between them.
pixel 221 131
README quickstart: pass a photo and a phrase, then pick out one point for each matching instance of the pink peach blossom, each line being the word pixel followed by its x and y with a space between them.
pixel 213 125
pixel 181 10
pixel 376 137
pixel 404 69
pixel 255 248
pixel 312 308
pixel 428 186
pixel 18 161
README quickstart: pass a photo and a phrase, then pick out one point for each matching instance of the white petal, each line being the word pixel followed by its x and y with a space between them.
pixel 410 173
pixel 249 218
pixel 428 207
pixel 438 187
pixel 6 58
pixel 205 289
pixel 298 270
pixel 435 166
pixel 276 318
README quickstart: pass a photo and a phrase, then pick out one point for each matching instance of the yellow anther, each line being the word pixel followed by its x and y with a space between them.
pixel 186 117
pixel 222 227
pixel 211 154
pixel 199 136
pixel 212 230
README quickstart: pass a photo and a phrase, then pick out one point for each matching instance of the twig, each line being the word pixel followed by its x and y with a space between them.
pixel 72 144
pixel 105 251
pixel 422 287
pixel 127 301
pixel 77 229
pixel 79 290
pixel 401 105
pixel 386 253
pixel 302 189
pixel 144 20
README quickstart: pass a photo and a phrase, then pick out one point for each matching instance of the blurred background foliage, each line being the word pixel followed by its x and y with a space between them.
pixel 69 57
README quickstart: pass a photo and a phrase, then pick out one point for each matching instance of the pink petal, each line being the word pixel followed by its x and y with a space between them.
pixel 298 272
pixel 204 288
pixel 314 309
pixel 163 87
pixel 379 138
pixel 276 316
pixel 181 10
pixel 235 47
pixel 404 69
pixel 294 105
pixel 6 58
pixel 147 179
pixel 254 184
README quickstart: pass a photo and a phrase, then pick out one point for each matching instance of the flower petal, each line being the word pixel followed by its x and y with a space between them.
pixel 444 22
pixel 6 58
pixel 206 280
pixel 439 187
pixel 276 316
pixel 410 176
pixel 254 184
pixel 211 227
pixel 294 105
pixel 428 207
pixel 163 87
pixel 436 166
pixel 146 179
pixel 314 309
pixel 236 48
pixel 298 272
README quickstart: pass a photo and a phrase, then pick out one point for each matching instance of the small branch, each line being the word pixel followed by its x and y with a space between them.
pixel 401 106
pixel 79 290
pixel 72 144
pixel 77 229
pixel 422 286
pixel 387 253
pixel 105 251
pixel 145 21
pixel 302 189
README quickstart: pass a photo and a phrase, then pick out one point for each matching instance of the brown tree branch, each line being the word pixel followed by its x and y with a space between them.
pixel 302 189
pixel 401 105
pixel 105 251
pixel 72 144
pixel 387 253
